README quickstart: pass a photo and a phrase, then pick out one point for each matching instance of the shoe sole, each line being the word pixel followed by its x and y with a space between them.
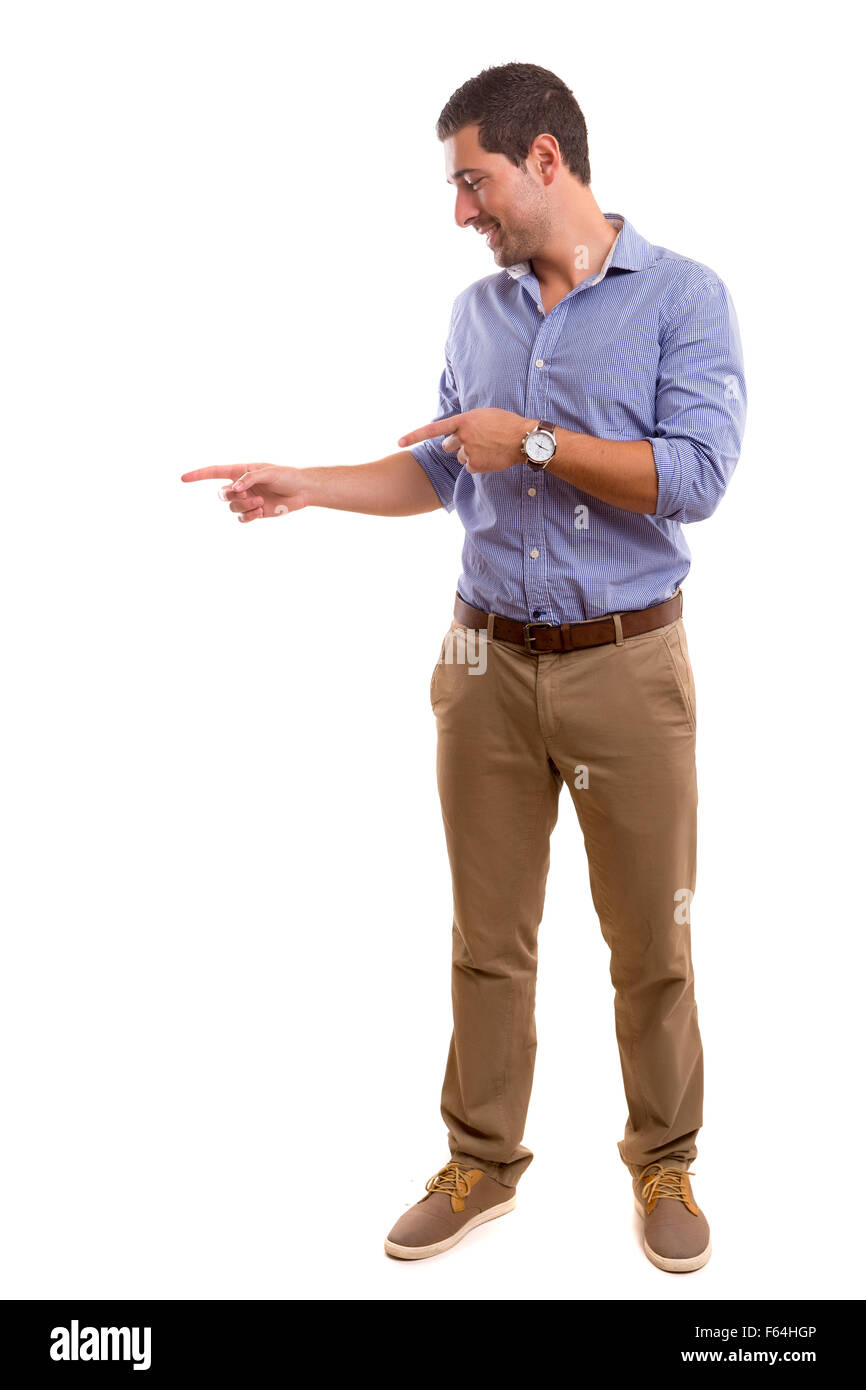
pixel 684 1266
pixel 421 1252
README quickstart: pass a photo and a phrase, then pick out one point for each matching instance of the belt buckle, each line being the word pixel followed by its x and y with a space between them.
pixel 528 636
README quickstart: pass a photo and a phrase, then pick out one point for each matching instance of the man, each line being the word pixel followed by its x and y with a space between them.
pixel 592 400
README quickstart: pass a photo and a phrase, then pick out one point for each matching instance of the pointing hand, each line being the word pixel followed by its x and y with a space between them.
pixel 255 490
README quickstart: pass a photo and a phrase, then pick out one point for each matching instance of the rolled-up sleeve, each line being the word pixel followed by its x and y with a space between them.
pixel 700 404
pixel 441 467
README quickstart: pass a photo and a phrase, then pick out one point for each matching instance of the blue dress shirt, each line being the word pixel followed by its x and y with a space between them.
pixel 648 348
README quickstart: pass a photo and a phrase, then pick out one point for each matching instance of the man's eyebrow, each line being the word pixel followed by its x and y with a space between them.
pixel 458 172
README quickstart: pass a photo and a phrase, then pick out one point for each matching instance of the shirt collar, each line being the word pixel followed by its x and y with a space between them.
pixel 630 251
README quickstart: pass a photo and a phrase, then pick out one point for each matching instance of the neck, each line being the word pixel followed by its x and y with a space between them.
pixel 578 246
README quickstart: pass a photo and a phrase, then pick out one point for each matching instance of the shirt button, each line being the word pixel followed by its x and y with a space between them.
pixel 538 612
pixel 531 491
pixel 540 308
pixel 534 554
pixel 539 361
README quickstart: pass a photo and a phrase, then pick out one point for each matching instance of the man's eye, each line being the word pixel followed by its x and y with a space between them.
pixel 474 185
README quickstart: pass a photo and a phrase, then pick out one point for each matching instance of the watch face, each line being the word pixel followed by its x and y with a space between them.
pixel 539 447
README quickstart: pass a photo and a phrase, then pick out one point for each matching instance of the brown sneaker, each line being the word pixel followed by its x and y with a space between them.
pixel 458 1199
pixel 676 1232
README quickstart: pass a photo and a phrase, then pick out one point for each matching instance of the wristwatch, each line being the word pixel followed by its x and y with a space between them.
pixel 538 446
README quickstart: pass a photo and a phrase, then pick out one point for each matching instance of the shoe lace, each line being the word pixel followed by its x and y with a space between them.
pixel 667 1182
pixel 450 1179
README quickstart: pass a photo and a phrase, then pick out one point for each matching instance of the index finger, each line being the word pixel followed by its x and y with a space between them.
pixel 438 427
pixel 231 470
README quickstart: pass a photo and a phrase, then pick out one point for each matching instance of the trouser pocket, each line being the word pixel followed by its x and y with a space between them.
pixel 678 651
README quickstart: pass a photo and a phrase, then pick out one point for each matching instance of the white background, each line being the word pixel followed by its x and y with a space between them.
pixel 226 952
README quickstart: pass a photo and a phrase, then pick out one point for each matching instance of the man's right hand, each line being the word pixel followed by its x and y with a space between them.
pixel 256 489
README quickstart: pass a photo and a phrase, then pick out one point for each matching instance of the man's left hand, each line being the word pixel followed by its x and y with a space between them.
pixel 485 441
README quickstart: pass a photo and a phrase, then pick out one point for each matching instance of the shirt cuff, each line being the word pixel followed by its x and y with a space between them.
pixel 670 477
pixel 439 475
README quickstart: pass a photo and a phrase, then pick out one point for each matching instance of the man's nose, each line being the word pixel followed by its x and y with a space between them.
pixel 466 209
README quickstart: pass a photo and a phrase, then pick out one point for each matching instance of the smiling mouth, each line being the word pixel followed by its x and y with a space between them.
pixel 489 233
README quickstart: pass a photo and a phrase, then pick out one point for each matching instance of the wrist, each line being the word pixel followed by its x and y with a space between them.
pixel 526 424
pixel 310 482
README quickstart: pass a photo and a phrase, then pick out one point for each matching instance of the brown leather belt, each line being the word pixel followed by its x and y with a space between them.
pixel 570 637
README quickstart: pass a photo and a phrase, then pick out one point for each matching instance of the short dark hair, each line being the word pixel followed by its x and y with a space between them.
pixel 513 103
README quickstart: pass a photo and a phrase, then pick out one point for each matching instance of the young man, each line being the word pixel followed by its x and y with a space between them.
pixel 592 401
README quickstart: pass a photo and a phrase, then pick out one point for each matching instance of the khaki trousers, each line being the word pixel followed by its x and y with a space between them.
pixel 616 724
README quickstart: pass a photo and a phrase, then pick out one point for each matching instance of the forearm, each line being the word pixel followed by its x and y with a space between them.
pixel 621 472
pixel 392 486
